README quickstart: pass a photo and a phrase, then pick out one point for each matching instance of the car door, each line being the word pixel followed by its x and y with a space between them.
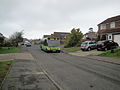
pixel 91 44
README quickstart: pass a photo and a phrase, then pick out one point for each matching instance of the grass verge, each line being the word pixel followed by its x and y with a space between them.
pixel 72 49
pixel 5 50
pixel 115 54
pixel 4 68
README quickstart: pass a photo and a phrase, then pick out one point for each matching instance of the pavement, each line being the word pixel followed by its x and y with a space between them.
pixel 16 56
pixel 25 74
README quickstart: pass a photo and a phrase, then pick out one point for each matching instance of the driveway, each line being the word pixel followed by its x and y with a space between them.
pixel 86 53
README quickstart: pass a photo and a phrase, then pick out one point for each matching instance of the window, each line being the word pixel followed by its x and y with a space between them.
pixel 112 25
pixel 109 37
pixel 91 43
pixel 103 26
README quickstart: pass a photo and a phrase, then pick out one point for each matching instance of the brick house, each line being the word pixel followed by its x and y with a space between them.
pixel 61 35
pixel 46 36
pixel 110 28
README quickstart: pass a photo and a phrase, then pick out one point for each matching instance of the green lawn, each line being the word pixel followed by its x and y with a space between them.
pixel 115 54
pixel 5 50
pixel 72 49
pixel 4 67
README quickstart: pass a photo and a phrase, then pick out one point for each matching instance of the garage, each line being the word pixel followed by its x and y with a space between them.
pixel 117 39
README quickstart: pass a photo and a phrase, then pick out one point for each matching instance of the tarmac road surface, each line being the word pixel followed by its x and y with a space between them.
pixel 76 72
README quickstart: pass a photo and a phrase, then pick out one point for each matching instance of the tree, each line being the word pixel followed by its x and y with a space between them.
pixel 1 39
pixel 16 38
pixel 74 37
pixel 91 30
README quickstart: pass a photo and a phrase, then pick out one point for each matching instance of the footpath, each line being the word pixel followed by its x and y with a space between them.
pixel 25 74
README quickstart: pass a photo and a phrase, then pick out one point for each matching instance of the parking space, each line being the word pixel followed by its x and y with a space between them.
pixel 86 53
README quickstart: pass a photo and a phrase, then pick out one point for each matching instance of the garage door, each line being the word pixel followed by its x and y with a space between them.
pixel 117 39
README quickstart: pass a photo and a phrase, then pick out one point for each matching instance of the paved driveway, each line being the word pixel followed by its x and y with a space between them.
pixel 86 53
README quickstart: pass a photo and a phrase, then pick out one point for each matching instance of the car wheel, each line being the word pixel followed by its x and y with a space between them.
pixel 89 49
pixel 106 49
pixel 82 49
pixel 98 49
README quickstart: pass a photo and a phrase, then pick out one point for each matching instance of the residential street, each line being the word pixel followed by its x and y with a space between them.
pixel 60 71
pixel 78 73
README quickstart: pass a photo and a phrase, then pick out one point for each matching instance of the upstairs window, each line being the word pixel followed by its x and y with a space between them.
pixel 103 26
pixel 112 25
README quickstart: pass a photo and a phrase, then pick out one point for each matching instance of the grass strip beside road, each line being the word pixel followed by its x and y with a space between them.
pixel 71 49
pixel 5 50
pixel 4 68
pixel 114 54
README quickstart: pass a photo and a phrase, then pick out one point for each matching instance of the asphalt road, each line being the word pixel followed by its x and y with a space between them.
pixel 77 73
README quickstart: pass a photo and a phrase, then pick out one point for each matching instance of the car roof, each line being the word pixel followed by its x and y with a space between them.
pixel 89 41
pixel 105 40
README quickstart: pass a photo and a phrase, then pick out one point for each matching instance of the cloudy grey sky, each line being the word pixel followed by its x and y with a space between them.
pixel 39 17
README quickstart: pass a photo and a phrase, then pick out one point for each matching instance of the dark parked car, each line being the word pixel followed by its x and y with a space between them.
pixel 88 45
pixel 106 45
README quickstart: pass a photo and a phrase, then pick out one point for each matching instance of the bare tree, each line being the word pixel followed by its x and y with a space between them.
pixel 16 38
pixel 91 29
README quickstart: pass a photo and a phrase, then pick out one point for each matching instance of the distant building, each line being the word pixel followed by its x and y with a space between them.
pixel 36 41
pixel 25 39
pixel 110 29
pixel 46 36
pixel 61 35
pixel 90 36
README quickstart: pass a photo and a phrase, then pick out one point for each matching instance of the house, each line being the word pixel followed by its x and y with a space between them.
pixel 90 36
pixel 109 29
pixel 36 41
pixel 61 35
pixel 46 36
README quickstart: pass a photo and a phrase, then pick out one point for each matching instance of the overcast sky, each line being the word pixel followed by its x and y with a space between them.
pixel 39 17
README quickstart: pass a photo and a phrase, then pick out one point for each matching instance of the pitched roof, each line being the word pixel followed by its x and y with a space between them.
pixel 62 32
pixel 116 18
pixel 46 36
